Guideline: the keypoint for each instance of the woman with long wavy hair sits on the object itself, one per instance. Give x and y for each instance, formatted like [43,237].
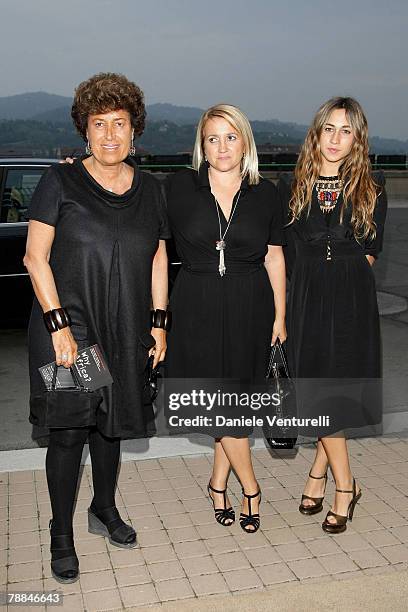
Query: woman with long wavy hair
[336,213]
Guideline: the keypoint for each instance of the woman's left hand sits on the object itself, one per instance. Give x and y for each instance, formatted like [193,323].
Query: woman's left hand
[159,350]
[279,331]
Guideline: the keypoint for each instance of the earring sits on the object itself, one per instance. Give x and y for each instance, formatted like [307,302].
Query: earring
[88,149]
[132,149]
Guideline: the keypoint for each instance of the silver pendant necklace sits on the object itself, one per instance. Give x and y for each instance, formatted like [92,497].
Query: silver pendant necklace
[220,244]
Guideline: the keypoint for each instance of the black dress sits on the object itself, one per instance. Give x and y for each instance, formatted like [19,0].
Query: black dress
[222,326]
[101,259]
[334,343]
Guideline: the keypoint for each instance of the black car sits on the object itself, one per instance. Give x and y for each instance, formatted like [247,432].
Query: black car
[18,180]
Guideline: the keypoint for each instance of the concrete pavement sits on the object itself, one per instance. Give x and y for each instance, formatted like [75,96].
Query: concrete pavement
[184,555]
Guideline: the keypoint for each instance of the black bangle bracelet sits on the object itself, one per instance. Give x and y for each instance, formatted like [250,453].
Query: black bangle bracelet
[56,319]
[161,319]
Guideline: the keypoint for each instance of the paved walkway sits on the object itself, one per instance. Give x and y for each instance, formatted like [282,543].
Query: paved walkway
[184,554]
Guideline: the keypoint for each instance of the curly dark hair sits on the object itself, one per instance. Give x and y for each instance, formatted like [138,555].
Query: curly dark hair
[105,92]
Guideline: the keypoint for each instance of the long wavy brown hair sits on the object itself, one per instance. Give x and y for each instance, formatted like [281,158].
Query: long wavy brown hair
[359,187]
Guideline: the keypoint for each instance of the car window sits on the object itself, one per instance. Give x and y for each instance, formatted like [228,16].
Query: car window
[17,193]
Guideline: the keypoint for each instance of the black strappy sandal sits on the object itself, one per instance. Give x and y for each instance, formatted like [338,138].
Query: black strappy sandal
[224,516]
[108,523]
[253,520]
[341,521]
[318,501]
[64,569]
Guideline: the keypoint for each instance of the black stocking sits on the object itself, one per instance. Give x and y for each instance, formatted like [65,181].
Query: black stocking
[62,467]
[105,453]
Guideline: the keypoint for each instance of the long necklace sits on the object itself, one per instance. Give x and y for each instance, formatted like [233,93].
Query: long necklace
[328,189]
[220,244]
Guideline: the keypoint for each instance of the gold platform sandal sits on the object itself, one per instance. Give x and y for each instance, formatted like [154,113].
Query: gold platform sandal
[318,501]
[341,521]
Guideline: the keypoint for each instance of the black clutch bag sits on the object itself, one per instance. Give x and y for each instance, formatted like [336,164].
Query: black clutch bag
[278,377]
[151,379]
[72,406]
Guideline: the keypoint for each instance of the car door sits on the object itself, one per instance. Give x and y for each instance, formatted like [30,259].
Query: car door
[17,187]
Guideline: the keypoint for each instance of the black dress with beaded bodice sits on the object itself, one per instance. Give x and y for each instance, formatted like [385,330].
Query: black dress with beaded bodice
[332,318]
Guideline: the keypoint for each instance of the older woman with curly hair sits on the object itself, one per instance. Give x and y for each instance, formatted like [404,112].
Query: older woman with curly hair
[97,259]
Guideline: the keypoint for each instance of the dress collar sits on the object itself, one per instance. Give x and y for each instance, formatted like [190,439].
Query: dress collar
[204,182]
[110,198]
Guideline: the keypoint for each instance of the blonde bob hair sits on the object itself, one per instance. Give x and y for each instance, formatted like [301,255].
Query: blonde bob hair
[359,189]
[240,123]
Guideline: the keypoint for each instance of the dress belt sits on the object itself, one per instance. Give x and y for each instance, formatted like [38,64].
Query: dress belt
[328,249]
[212,267]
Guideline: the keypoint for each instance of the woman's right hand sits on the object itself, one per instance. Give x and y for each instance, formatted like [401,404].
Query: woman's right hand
[66,349]
[67,160]
[279,330]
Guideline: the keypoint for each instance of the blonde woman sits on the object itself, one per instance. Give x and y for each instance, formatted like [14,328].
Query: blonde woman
[228,301]
[337,210]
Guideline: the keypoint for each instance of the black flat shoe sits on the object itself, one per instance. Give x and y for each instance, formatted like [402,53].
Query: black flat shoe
[250,519]
[318,501]
[64,561]
[108,523]
[224,516]
[341,521]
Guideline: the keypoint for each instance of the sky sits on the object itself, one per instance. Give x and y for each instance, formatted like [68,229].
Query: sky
[273,59]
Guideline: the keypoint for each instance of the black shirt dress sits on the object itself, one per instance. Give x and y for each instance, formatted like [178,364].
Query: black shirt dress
[222,326]
[334,343]
[101,259]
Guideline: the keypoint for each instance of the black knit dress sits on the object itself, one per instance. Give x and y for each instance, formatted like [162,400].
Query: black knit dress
[222,326]
[101,259]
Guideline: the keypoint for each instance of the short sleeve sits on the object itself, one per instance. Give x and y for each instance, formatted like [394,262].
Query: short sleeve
[374,246]
[46,200]
[276,232]
[164,232]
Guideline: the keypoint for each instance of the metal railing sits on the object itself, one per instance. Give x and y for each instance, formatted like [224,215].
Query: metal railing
[273,166]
